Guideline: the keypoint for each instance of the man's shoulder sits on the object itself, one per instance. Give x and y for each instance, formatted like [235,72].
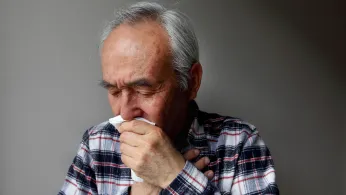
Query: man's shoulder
[101,130]
[216,125]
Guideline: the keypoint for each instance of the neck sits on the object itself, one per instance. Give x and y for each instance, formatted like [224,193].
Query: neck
[180,138]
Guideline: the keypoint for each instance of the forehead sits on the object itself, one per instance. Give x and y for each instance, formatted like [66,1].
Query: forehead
[142,48]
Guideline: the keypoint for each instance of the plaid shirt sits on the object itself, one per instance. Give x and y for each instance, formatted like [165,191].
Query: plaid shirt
[238,156]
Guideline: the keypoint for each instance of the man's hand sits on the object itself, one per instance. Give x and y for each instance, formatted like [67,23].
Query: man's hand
[201,163]
[145,188]
[149,153]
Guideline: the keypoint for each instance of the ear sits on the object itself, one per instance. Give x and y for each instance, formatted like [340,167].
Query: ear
[196,72]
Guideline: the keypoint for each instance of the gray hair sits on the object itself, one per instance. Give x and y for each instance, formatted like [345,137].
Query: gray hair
[183,41]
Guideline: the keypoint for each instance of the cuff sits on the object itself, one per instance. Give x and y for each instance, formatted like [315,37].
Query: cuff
[189,181]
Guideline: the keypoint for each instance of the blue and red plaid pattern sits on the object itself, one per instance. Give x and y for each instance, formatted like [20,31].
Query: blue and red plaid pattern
[239,158]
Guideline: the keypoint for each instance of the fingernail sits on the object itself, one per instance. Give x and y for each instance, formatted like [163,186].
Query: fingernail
[196,152]
[210,174]
[206,160]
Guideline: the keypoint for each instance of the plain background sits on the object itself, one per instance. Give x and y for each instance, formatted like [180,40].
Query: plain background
[280,66]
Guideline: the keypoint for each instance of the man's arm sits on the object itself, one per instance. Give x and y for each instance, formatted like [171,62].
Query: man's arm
[145,188]
[80,178]
[253,173]
[190,181]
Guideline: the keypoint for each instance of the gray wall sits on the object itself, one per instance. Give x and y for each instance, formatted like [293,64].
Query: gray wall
[279,66]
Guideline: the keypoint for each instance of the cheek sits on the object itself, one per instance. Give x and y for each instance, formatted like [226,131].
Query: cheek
[113,104]
[155,108]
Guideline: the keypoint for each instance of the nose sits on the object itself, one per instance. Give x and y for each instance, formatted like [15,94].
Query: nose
[129,106]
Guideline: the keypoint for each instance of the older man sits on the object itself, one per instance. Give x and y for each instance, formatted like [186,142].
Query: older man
[151,70]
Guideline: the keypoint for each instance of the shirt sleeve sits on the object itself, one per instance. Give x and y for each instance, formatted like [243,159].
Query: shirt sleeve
[190,181]
[80,178]
[254,172]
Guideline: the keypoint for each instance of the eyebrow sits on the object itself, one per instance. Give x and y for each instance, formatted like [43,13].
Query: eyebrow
[142,82]
[106,84]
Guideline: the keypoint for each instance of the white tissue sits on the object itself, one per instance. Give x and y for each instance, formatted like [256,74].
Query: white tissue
[116,122]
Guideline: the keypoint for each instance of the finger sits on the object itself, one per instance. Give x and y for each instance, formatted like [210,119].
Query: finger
[191,154]
[136,126]
[128,150]
[203,162]
[131,139]
[209,174]
[128,161]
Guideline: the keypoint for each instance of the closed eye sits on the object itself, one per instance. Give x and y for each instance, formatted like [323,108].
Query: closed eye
[145,92]
[114,92]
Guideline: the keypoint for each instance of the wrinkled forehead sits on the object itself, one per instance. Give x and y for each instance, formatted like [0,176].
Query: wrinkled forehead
[142,46]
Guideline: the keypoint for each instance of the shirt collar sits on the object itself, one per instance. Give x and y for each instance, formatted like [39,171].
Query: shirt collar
[185,140]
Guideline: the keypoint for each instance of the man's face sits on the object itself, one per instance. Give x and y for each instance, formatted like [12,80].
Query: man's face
[138,73]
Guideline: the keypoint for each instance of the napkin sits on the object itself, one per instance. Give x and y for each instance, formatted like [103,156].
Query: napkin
[116,122]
